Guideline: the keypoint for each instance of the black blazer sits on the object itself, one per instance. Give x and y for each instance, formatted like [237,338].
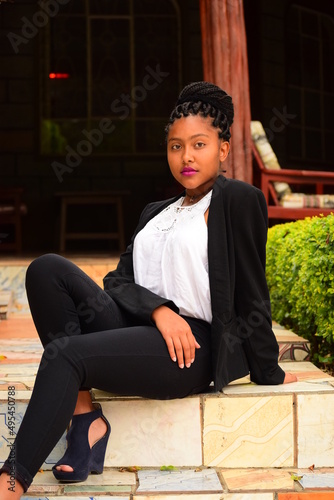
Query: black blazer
[242,338]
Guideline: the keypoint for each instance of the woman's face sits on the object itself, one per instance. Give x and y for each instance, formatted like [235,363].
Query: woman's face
[195,152]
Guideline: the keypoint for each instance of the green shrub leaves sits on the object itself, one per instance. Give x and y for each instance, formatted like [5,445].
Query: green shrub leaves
[300,275]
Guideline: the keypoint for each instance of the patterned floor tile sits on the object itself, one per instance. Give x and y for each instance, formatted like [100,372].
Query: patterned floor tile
[12,278]
[95,490]
[109,477]
[257,479]
[103,497]
[315,480]
[183,480]
[306,496]
[248,431]
[183,496]
[7,434]
[4,387]
[22,370]
[151,433]
[315,430]
[316,385]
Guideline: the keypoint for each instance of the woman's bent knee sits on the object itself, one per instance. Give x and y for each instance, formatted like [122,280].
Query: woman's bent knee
[45,266]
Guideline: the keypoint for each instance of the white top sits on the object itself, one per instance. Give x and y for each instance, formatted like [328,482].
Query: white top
[170,257]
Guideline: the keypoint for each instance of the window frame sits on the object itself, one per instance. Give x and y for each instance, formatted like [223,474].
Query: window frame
[89,118]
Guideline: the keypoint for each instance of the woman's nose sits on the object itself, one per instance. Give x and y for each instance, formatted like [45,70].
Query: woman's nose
[187,155]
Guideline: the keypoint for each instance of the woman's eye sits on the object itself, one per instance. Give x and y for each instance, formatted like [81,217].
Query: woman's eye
[176,147]
[200,144]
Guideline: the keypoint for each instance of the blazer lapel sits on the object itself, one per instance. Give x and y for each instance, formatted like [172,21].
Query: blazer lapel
[219,269]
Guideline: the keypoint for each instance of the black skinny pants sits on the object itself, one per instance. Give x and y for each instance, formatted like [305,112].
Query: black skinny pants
[89,343]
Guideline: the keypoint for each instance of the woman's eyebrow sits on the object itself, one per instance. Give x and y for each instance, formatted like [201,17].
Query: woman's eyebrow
[192,137]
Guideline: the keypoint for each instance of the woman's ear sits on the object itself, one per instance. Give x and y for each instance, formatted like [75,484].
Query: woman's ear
[224,150]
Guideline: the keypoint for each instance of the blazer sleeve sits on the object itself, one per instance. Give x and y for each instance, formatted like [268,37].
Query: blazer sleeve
[134,299]
[252,302]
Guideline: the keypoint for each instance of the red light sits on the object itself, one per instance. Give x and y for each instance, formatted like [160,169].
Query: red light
[58,75]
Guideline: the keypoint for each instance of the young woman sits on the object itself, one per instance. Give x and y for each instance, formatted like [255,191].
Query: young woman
[187,305]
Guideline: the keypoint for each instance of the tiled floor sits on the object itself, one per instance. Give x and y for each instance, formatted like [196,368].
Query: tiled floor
[246,437]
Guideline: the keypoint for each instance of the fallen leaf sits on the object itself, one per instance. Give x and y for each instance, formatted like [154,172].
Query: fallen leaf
[311,467]
[168,467]
[133,468]
[294,477]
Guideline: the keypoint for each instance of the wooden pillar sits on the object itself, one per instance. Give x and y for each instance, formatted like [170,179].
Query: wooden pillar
[224,52]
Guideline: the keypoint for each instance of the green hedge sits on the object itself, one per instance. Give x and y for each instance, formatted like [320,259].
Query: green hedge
[300,275]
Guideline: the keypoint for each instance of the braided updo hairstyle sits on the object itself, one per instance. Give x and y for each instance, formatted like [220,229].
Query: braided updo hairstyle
[205,99]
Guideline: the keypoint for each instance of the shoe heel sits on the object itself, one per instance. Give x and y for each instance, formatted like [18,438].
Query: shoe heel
[98,453]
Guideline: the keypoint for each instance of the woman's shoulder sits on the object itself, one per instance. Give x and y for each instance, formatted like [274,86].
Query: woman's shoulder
[235,186]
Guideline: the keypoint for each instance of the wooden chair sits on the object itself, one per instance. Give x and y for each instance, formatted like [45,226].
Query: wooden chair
[88,198]
[11,211]
[276,183]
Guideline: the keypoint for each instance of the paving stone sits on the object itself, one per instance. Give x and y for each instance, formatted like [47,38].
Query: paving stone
[257,479]
[306,496]
[185,496]
[315,480]
[61,497]
[182,480]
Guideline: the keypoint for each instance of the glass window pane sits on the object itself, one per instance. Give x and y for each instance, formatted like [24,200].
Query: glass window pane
[294,104]
[327,53]
[124,74]
[310,63]
[293,18]
[109,7]
[150,136]
[73,7]
[67,97]
[328,111]
[152,37]
[294,59]
[329,148]
[120,140]
[309,23]
[110,63]
[313,145]
[294,142]
[57,134]
[149,7]
[312,109]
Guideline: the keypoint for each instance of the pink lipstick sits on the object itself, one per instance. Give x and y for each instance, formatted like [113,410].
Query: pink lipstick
[188,171]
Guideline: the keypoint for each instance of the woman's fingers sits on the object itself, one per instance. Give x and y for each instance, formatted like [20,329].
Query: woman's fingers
[180,341]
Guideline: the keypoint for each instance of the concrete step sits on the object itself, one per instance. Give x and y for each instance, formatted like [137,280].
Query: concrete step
[240,444]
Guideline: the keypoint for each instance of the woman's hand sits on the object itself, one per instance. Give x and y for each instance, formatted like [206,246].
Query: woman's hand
[177,334]
[290,377]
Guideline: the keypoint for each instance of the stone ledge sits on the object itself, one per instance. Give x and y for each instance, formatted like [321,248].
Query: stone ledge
[184,483]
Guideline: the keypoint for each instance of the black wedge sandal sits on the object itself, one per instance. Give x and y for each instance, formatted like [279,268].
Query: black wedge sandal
[83,459]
